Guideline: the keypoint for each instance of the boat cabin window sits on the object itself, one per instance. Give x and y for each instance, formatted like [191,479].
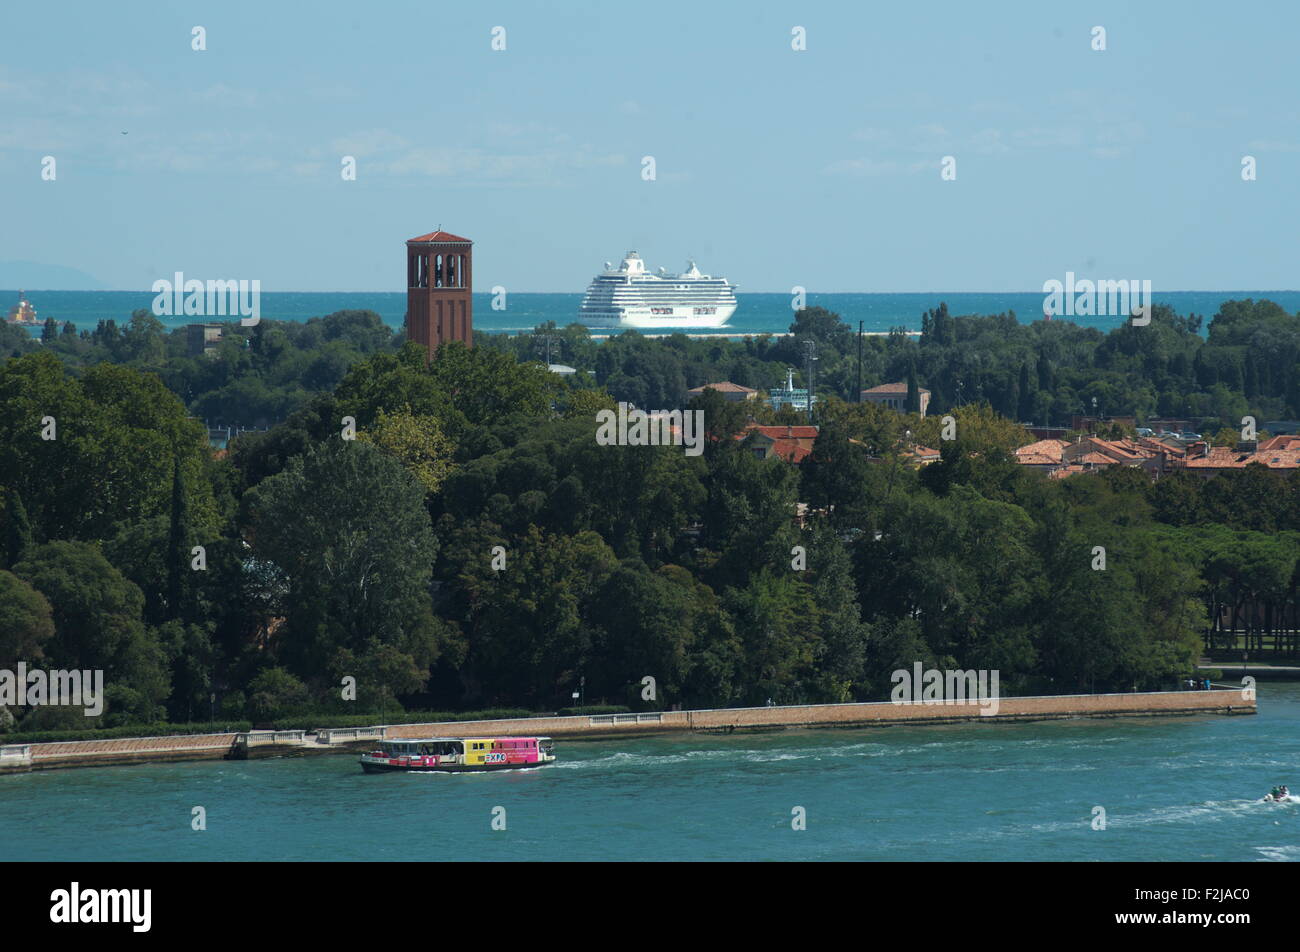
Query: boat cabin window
[438,748]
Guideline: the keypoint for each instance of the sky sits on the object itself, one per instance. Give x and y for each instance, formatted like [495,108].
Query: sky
[775,167]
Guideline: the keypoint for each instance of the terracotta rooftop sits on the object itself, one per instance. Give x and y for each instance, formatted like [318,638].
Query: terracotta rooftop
[1226,457]
[438,236]
[725,386]
[893,388]
[780,432]
[1288,443]
[1042,451]
[1121,449]
[790,450]
[1095,458]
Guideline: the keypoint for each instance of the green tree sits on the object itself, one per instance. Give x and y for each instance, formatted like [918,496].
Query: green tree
[178,545]
[18,529]
[346,523]
[26,624]
[98,626]
[913,402]
[528,639]
[274,693]
[417,442]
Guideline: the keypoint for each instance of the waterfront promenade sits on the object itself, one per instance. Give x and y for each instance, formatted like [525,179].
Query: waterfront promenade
[269,743]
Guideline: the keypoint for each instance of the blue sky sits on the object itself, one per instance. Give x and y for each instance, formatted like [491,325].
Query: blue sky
[776,168]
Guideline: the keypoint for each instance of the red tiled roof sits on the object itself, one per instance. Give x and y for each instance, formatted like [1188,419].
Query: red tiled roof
[438,236]
[1287,443]
[1116,449]
[790,450]
[1042,448]
[893,388]
[780,432]
[1155,446]
[1101,452]
[1225,457]
[725,386]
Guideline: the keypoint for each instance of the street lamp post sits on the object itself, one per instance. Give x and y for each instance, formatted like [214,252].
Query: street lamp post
[860,323]
[810,355]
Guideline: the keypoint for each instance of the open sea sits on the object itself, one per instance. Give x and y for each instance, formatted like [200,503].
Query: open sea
[757,313]
[1172,789]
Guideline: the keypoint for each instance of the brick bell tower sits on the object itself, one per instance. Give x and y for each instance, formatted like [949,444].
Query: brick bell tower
[438,285]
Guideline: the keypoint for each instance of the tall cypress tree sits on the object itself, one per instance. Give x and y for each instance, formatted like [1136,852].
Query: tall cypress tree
[18,529]
[945,328]
[178,548]
[1026,408]
[1011,396]
[913,390]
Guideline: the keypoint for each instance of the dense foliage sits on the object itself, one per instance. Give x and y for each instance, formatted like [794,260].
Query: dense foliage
[475,546]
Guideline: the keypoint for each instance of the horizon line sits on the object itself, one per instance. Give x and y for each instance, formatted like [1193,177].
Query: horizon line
[808,293]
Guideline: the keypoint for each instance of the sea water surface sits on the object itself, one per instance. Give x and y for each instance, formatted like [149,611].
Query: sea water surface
[1171,788]
[757,313]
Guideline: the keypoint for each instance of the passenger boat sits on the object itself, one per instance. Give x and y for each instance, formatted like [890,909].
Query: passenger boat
[459,754]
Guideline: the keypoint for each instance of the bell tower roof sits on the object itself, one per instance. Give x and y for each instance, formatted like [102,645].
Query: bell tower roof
[438,235]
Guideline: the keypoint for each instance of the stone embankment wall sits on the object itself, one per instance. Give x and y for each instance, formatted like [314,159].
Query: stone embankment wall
[90,753]
[1228,701]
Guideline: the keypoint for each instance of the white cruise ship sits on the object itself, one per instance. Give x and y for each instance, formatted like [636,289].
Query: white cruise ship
[630,296]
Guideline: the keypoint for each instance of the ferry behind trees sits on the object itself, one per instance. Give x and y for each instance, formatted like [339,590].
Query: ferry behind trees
[459,754]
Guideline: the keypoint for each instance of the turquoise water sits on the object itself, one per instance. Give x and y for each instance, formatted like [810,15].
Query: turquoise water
[1172,788]
[757,313]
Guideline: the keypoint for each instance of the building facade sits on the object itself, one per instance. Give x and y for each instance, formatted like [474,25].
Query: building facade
[202,340]
[894,396]
[731,392]
[439,284]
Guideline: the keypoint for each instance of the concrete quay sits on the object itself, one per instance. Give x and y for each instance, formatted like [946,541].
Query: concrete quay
[258,744]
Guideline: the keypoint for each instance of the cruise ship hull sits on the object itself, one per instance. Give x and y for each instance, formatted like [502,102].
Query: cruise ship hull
[643,318]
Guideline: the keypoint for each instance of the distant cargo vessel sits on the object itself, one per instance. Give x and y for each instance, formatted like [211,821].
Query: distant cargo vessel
[23,313]
[630,296]
[458,754]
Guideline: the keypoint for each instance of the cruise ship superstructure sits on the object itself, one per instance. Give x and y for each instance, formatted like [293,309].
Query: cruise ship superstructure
[630,296]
